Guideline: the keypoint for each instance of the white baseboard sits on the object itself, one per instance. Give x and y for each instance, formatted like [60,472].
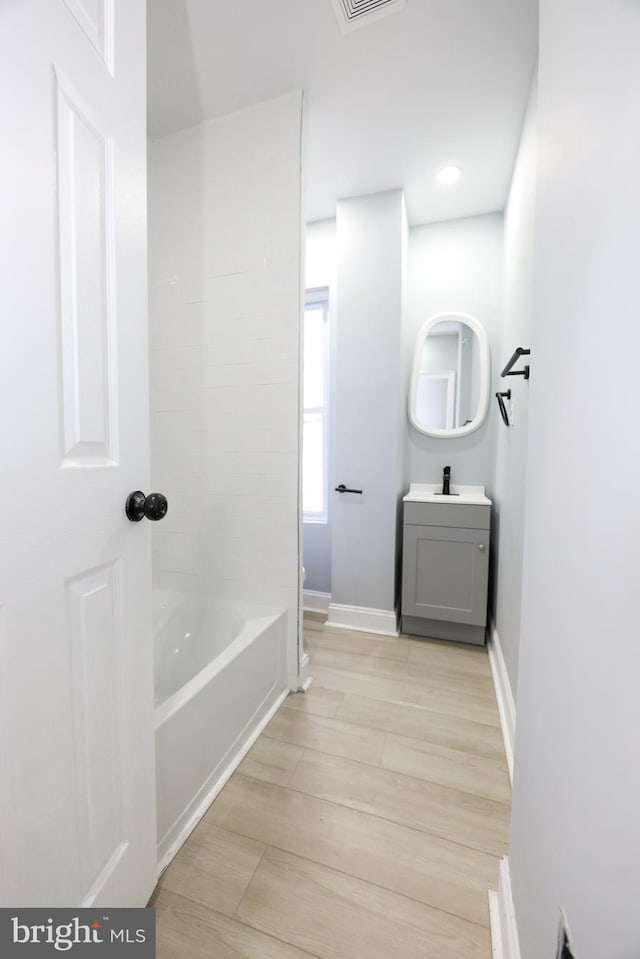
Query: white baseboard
[504,929]
[504,696]
[315,602]
[363,618]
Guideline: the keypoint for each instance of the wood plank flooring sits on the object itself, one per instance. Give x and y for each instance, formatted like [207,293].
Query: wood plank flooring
[367,821]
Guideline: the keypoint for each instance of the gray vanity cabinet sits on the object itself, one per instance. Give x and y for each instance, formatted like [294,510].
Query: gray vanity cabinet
[445,570]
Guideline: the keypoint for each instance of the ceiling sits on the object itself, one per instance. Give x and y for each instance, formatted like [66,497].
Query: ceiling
[386,105]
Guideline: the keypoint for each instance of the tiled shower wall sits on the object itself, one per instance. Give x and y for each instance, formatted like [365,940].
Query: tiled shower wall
[224,241]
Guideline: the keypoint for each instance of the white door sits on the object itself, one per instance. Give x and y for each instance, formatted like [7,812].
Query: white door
[77,815]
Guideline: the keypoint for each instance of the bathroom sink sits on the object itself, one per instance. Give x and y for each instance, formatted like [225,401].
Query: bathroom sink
[432,493]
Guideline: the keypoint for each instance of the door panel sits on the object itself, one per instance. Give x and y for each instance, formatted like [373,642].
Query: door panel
[95,18]
[77,792]
[95,617]
[86,280]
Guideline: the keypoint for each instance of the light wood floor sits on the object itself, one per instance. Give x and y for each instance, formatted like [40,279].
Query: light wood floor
[367,822]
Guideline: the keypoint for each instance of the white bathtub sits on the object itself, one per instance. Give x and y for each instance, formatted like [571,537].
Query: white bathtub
[220,674]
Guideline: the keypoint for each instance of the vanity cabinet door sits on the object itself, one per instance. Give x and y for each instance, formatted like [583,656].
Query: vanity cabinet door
[445,572]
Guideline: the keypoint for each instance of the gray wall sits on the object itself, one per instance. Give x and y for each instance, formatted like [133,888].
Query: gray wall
[454,267]
[316,556]
[511,447]
[575,838]
[368,400]
[320,270]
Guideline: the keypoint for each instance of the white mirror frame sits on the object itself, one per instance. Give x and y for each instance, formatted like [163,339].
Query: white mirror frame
[483,403]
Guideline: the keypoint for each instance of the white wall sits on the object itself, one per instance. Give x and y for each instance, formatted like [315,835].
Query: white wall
[575,839]
[368,400]
[320,271]
[225,234]
[454,267]
[511,449]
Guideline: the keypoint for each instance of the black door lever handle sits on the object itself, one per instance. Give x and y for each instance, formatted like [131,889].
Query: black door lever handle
[343,489]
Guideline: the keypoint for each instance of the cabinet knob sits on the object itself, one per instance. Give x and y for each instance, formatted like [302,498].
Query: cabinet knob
[481,547]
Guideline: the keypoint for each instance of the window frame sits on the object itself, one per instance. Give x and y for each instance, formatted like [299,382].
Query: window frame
[314,298]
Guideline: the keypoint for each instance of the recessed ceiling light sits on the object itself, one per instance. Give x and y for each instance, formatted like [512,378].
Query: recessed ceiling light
[448,175]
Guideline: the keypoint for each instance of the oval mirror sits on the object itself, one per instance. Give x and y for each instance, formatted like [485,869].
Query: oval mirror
[449,389]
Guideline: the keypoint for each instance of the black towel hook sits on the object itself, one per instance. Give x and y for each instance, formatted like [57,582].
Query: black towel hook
[520,351]
[503,409]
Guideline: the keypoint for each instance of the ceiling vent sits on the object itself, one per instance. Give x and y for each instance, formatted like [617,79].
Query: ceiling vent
[359,13]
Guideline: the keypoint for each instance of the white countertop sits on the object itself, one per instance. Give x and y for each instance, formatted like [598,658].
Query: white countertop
[432,493]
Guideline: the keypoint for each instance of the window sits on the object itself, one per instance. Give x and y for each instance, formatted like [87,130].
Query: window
[315,443]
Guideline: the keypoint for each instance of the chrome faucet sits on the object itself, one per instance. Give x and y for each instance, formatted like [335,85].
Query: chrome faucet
[446,479]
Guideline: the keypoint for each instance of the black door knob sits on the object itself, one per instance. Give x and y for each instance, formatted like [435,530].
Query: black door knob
[154,506]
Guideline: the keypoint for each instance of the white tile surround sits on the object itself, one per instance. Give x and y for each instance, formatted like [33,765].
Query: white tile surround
[225,240]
